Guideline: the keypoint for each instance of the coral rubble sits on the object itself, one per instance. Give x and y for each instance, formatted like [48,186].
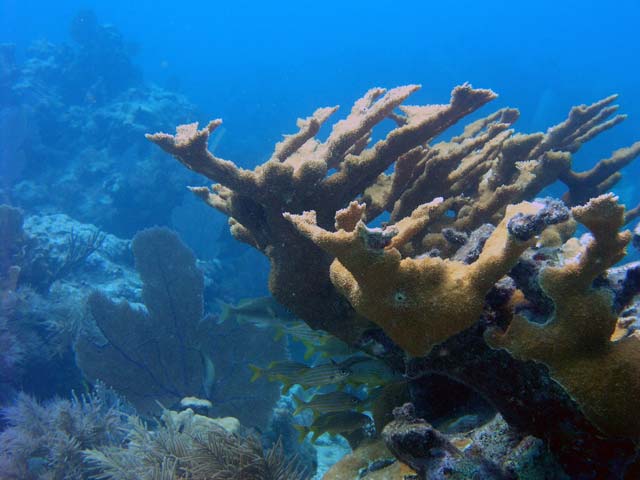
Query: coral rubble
[468,252]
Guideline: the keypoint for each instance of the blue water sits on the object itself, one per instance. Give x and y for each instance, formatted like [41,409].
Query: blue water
[260,65]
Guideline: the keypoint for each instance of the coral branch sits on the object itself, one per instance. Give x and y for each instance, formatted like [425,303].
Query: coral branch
[603,376]
[603,176]
[419,302]
[189,146]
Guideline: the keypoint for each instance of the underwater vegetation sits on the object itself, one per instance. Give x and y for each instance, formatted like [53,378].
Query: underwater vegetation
[79,305]
[47,440]
[99,437]
[472,276]
[61,335]
[184,447]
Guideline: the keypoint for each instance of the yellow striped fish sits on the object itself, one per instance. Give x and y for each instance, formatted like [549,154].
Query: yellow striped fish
[328,402]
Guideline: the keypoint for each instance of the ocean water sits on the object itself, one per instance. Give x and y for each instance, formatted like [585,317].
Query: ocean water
[121,293]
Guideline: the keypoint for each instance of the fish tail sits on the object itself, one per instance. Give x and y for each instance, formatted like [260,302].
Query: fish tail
[310,349]
[225,311]
[302,432]
[279,333]
[301,404]
[257,372]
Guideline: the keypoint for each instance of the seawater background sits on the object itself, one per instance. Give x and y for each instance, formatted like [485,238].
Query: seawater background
[260,65]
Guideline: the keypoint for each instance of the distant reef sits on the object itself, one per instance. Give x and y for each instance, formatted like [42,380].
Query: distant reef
[72,120]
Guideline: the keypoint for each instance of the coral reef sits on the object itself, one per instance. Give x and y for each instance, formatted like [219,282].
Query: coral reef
[281,429]
[403,304]
[40,301]
[11,232]
[81,109]
[63,253]
[408,286]
[98,436]
[159,355]
[428,452]
[367,462]
[296,179]
[13,134]
[490,451]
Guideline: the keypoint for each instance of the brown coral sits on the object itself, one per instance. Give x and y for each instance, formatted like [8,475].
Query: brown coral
[296,179]
[478,173]
[602,375]
[419,302]
[412,277]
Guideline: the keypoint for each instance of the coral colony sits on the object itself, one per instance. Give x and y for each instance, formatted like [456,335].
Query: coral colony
[472,276]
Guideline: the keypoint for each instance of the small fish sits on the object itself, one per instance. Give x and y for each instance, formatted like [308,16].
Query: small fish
[371,373]
[383,399]
[328,402]
[325,374]
[261,312]
[335,423]
[331,347]
[208,374]
[279,371]
[461,424]
[301,332]
[354,360]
